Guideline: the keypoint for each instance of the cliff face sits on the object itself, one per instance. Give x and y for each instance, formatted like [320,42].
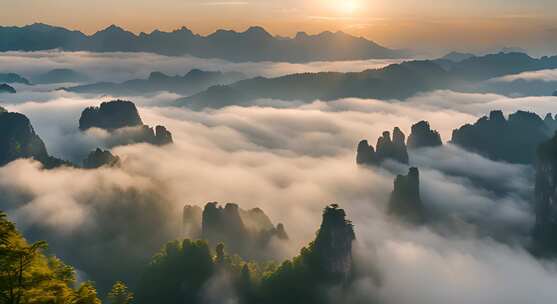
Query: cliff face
[405,201]
[333,244]
[545,230]
[110,116]
[19,140]
[513,140]
[224,225]
[162,136]
[122,118]
[244,232]
[386,148]
[100,158]
[423,136]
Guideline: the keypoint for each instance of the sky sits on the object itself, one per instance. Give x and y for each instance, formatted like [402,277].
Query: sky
[472,25]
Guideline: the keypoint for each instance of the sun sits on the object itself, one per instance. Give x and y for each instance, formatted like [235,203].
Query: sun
[348,7]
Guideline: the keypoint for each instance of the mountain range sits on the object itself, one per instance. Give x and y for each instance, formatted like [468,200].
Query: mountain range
[396,81]
[254,44]
[192,82]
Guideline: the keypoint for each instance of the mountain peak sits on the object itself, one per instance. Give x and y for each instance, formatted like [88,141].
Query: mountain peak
[257,30]
[114,29]
[301,35]
[37,26]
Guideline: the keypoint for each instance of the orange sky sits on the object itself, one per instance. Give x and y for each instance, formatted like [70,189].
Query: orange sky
[418,24]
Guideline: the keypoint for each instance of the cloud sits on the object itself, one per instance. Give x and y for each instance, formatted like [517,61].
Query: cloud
[291,162]
[124,66]
[542,75]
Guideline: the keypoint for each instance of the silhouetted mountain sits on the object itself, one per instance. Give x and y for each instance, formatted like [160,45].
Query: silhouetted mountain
[121,119]
[496,65]
[324,264]
[255,44]
[19,140]
[182,271]
[334,243]
[13,78]
[405,202]
[191,83]
[386,148]
[423,136]
[515,88]
[381,83]
[514,140]
[457,56]
[4,88]
[110,116]
[397,81]
[244,232]
[162,136]
[100,158]
[545,229]
[60,76]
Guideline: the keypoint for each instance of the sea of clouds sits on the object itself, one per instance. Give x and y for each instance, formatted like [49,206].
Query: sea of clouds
[291,161]
[122,66]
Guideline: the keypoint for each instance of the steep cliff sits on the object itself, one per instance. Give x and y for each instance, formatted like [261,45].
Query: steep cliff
[405,202]
[244,232]
[545,230]
[513,140]
[121,119]
[110,116]
[19,140]
[333,244]
[423,136]
[386,148]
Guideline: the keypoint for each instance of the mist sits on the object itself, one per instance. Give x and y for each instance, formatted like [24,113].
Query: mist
[291,161]
[121,66]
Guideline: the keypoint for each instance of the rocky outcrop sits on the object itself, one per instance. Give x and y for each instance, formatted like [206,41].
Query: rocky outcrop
[386,148]
[4,88]
[405,202]
[513,140]
[546,199]
[162,136]
[19,140]
[244,232]
[122,120]
[110,116]
[423,136]
[224,225]
[333,244]
[100,158]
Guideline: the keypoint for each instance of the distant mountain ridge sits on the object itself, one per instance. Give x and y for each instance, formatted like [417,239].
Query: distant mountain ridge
[254,44]
[396,81]
[192,82]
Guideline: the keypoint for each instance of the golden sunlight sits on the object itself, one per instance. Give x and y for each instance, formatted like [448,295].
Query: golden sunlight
[347,7]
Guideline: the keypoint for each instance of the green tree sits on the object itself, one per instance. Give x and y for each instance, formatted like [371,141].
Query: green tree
[28,276]
[86,294]
[120,294]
